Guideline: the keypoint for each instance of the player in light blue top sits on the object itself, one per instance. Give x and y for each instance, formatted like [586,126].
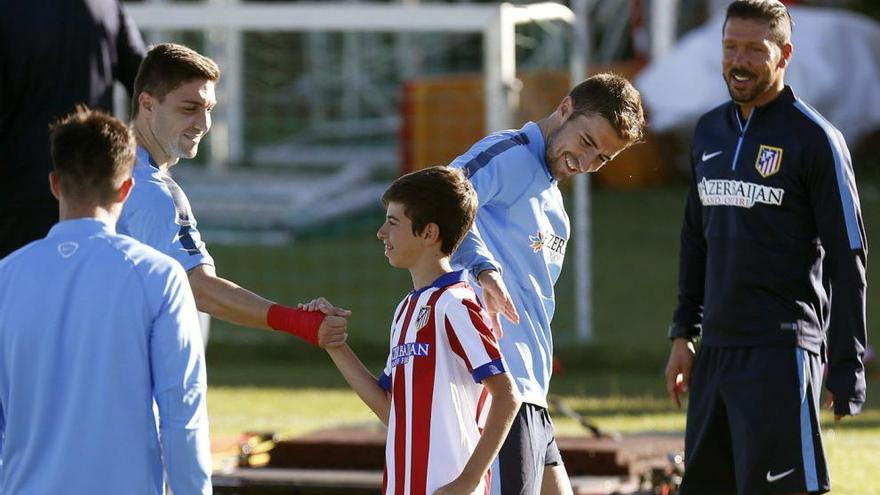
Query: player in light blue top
[517,247]
[171,110]
[95,326]
[158,214]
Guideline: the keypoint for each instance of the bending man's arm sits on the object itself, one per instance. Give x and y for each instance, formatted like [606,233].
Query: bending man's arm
[473,253]
[487,182]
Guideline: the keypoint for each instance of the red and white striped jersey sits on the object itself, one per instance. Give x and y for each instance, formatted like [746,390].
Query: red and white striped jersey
[442,347]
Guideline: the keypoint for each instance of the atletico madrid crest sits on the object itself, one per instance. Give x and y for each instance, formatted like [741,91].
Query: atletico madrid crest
[769,160]
[422,318]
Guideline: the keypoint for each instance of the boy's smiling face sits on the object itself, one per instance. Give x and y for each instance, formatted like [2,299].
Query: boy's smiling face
[402,247]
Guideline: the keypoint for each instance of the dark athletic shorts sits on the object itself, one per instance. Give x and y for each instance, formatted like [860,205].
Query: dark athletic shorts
[752,423]
[529,448]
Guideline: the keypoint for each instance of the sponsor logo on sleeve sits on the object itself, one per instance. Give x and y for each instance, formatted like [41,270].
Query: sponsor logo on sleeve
[769,160]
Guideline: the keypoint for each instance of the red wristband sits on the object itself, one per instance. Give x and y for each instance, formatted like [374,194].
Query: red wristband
[304,324]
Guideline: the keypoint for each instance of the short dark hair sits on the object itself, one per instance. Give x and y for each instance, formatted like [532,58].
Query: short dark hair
[166,67]
[773,12]
[614,98]
[92,153]
[439,195]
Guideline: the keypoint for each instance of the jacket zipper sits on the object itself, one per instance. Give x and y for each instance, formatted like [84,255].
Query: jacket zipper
[742,134]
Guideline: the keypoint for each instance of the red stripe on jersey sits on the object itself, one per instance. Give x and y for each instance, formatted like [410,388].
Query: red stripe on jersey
[423,399]
[399,404]
[399,313]
[456,347]
[490,343]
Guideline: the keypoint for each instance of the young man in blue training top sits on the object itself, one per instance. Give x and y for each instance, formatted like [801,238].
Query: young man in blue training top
[771,276]
[94,327]
[444,394]
[517,245]
[171,110]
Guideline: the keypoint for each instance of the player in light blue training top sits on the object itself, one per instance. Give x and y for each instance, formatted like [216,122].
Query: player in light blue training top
[158,213]
[517,246]
[95,326]
[171,110]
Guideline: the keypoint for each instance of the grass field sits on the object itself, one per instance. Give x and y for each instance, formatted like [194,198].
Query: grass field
[264,381]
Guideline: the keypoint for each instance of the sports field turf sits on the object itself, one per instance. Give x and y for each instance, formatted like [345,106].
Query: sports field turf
[260,380]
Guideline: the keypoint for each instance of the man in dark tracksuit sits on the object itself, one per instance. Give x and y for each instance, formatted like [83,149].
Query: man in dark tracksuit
[772,274]
[54,54]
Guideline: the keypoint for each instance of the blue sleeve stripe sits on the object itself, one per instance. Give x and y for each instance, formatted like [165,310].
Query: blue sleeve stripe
[491,368]
[186,240]
[385,382]
[846,197]
[485,156]
[183,216]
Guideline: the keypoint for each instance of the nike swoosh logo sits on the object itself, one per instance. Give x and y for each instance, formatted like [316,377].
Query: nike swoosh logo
[709,156]
[776,477]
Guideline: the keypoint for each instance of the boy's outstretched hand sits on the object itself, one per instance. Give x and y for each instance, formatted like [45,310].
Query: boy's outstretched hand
[333,331]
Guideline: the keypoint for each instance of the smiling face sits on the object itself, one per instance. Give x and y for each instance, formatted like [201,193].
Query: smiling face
[182,118]
[753,65]
[403,248]
[581,144]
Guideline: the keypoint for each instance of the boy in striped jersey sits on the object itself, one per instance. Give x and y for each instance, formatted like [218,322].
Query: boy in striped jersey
[445,394]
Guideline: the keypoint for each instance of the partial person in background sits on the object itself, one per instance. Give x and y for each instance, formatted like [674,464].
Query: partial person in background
[517,245]
[771,276]
[94,327]
[54,54]
[171,112]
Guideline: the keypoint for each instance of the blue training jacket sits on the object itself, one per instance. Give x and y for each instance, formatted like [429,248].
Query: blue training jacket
[94,327]
[772,229]
[521,230]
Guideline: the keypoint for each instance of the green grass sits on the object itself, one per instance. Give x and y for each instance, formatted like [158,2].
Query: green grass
[266,381]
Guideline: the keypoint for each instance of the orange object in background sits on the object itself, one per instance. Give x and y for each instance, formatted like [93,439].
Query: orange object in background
[443,116]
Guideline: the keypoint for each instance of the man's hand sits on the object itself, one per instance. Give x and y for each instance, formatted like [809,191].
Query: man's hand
[678,369]
[333,331]
[458,487]
[829,403]
[323,305]
[497,299]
